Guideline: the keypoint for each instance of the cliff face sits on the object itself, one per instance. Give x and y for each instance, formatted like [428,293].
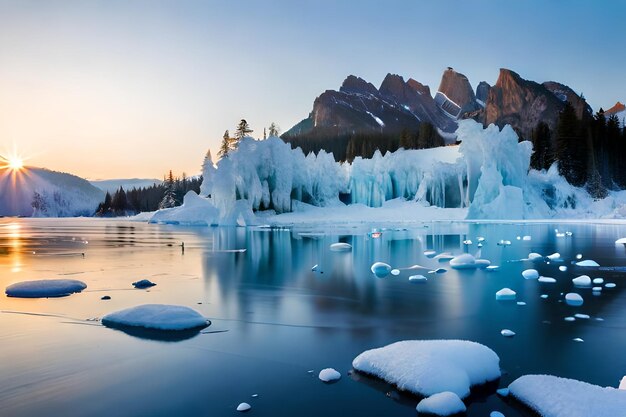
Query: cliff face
[564,93]
[521,103]
[482,91]
[457,88]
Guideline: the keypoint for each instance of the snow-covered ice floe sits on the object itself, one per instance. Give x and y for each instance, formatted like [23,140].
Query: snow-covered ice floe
[45,288]
[551,396]
[467,261]
[427,367]
[329,375]
[157,317]
[441,404]
[530,274]
[506,294]
[588,263]
[573,299]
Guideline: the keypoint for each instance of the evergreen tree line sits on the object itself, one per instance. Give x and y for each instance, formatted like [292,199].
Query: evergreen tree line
[241,131]
[589,152]
[346,147]
[168,194]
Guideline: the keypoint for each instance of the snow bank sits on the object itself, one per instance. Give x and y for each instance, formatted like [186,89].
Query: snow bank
[156,316]
[442,404]
[551,396]
[45,288]
[427,367]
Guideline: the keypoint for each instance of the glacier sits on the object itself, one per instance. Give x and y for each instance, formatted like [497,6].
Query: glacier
[487,176]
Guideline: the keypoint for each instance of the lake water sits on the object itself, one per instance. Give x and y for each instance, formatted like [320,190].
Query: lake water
[274,319]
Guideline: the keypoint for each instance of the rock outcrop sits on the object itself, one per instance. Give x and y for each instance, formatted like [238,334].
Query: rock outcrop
[456,88]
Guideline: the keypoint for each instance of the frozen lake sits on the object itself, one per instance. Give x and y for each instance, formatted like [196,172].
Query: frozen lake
[274,319]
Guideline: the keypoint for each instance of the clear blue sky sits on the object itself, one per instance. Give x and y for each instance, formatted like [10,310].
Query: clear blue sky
[133,88]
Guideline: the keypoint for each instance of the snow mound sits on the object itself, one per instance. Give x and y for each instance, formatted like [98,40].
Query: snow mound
[158,317]
[45,288]
[506,294]
[598,281]
[530,274]
[380,269]
[195,211]
[427,367]
[340,247]
[551,396]
[329,375]
[442,404]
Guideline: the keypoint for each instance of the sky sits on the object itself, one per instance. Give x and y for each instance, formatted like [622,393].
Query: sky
[131,89]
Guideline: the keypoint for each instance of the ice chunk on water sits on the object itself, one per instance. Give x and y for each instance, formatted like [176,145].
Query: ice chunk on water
[598,281]
[507,333]
[503,392]
[621,241]
[582,281]
[579,256]
[588,262]
[492,268]
[427,367]
[45,288]
[610,285]
[329,375]
[157,316]
[340,247]
[467,261]
[418,279]
[534,256]
[445,256]
[551,396]
[429,253]
[544,296]
[380,269]
[442,404]
[530,274]
[244,407]
[569,318]
[562,268]
[578,339]
[395,272]
[496,414]
[504,243]
[467,242]
[527,238]
[596,289]
[554,256]
[506,294]
[582,316]
[573,299]
[521,303]
[549,280]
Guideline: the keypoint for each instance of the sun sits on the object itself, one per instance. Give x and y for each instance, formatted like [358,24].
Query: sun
[15,163]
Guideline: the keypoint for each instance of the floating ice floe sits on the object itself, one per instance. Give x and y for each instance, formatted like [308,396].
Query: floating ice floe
[443,257]
[504,243]
[380,269]
[480,239]
[244,407]
[573,299]
[610,285]
[45,288]
[562,268]
[596,289]
[503,392]
[395,272]
[340,247]
[598,281]
[588,263]
[554,256]
[144,283]
[544,296]
[527,238]
[157,317]
[582,281]
[438,271]
[530,274]
[506,294]
[534,256]
[467,261]
[467,242]
[548,280]
[496,414]
[329,375]
[521,303]
[492,268]
[429,253]
[480,245]
[441,404]
[579,256]
[427,367]
[417,279]
[621,241]
[582,316]
[551,396]
[570,318]
[578,340]
[507,333]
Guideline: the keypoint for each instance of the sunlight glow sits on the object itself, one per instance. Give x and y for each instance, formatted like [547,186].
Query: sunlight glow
[16,163]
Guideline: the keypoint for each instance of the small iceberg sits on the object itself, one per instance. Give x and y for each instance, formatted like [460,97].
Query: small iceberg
[530,274]
[598,281]
[244,407]
[507,333]
[588,263]
[427,367]
[445,256]
[503,392]
[610,285]
[429,253]
[492,268]
[467,242]
[144,283]
[554,256]
[504,243]
[44,288]
[547,280]
[155,321]
[534,256]
[527,238]
[467,261]
[395,272]
[418,279]
[340,247]
[573,299]
[329,375]
[582,316]
[506,294]
[552,396]
[562,268]
[582,281]
[442,404]
[380,269]
[578,340]
[621,241]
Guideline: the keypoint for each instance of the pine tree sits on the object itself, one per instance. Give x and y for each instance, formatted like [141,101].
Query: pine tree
[406,139]
[226,145]
[242,130]
[169,198]
[571,147]
[542,156]
[274,130]
[264,134]
[119,203]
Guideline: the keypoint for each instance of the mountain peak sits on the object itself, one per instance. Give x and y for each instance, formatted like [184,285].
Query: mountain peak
[354,84]
[618,107]
[457,89]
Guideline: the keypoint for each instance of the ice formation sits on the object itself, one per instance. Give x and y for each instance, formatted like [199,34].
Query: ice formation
[548,280]
[417,278]
[506,294]
[157,316]
[329,375]
[467,261]
[530,274]
[551,396]
[582,281]
[244,407]
[588,263]
[427,367]
[507,333]
[45,288]
[573,299]
[340,247]
[487,175]
[441,404]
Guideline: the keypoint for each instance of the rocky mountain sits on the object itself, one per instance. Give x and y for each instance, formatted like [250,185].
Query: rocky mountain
[455,94]
[522,103]
[482,92]
[618,110]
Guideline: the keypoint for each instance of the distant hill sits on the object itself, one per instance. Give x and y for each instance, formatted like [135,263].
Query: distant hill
[113,185]
[55,194]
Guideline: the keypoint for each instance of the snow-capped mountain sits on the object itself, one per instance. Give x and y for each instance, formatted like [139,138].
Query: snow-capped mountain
[40,192]
[128,183]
